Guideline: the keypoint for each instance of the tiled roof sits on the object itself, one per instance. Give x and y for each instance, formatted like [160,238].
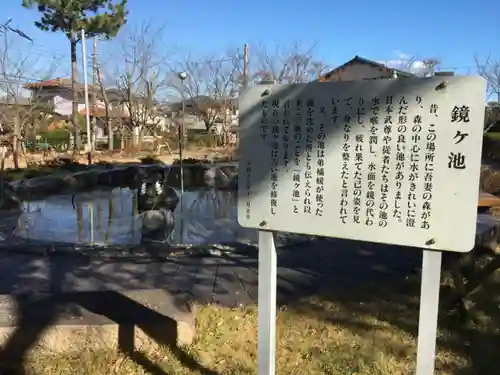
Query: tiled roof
[49,83]
[57,82]
[362,60]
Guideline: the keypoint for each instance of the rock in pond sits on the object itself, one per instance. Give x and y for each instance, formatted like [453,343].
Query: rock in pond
[156,196]
[215,177]
[42,186]
[8,199]
[157,224]
[233,184]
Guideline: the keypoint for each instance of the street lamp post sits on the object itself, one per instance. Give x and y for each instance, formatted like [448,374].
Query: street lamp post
[182,77]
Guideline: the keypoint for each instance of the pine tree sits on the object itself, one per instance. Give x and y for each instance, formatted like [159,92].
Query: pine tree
[96,17]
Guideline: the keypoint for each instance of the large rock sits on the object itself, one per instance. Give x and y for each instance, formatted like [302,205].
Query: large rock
[157,224]
[215,177]
[173,176]
[83,181]
[150,198]
[42,186]
[130,176]
[113,178]
[9,199]
[233,184]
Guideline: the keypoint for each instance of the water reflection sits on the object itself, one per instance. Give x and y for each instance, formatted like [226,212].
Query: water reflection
[113,217]
[62,219]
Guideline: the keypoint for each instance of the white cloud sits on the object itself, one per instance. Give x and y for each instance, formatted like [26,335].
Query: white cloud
[407,63]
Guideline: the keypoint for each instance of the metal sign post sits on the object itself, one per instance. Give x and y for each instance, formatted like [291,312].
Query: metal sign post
[428,315]
[267,304]
[385,161]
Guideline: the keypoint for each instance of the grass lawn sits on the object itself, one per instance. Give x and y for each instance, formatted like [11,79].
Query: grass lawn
[342,331]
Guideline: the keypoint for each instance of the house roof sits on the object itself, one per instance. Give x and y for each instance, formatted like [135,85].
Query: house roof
[57,82]
[361,60]
[203,101]
[115,94]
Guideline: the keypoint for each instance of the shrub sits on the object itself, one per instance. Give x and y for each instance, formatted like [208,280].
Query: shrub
[491,146]
[56,137]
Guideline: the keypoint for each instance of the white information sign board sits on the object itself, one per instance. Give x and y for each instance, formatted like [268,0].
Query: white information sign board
[388,161]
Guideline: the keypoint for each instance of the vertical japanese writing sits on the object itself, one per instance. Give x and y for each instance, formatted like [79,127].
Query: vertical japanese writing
[456,159]
[344,173]
[400,171]
[386,160]
[296,175]
[430,148]
[334,116]
[248,210]
[357,179]
[384,174]
[372,168]
[320,170]
[414,171]
[264,120]
[361,111]
[308,156]
[286,134]
[275,130]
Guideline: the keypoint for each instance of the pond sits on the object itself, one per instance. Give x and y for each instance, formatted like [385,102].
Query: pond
[119,217]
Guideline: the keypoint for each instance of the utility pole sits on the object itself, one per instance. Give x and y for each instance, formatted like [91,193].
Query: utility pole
[245,65]
[94,84]
[86,86]
[94,62]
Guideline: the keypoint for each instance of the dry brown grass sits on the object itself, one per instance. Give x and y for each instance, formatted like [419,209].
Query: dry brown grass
[370,333]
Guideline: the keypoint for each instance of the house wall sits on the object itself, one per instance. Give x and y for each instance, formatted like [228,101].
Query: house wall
[232,114]
[358,72]
[123,109]
[61,99]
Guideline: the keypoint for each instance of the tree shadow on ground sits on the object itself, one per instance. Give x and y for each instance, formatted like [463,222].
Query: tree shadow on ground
[392,297]
[365,282]
[36,312]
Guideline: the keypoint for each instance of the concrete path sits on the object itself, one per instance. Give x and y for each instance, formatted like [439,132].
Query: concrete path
[229,278]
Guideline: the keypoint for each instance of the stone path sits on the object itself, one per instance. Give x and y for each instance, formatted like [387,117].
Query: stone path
[229,278]
[60,298]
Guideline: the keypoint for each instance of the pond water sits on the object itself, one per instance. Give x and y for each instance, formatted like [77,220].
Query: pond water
[112,217]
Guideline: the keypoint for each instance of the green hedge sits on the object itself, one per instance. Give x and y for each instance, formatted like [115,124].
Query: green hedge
[56,138]
[195,140]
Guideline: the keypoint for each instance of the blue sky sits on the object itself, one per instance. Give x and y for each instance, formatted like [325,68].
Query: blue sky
[452,31]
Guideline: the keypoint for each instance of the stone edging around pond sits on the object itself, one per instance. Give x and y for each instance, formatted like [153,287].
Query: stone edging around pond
[196,176]
[156,250]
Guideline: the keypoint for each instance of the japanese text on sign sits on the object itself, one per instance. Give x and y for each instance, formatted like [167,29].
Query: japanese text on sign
[389,163]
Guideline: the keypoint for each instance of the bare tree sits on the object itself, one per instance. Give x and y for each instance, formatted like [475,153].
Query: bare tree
[142,78]
[212,81]
[430,66]
[490,71]
[491,116]
[107,107]
[209,85]
[412,64]
[294,63]
[20,111]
